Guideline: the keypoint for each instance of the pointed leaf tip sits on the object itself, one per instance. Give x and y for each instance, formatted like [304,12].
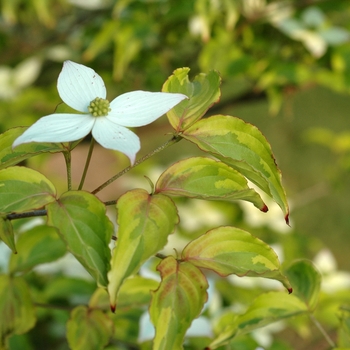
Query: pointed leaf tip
[264,209]
[290,290]
[286,218]
[113,307]
[228,250]
[243,147]
[206,178]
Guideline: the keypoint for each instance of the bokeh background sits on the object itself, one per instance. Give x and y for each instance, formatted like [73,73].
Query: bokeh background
[285,67]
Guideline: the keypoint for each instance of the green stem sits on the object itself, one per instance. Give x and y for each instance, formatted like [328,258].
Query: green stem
[173,140]
[68,159]
[87,163]
[321,329]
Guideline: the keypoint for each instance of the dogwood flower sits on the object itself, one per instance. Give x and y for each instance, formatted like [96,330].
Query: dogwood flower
[82,89]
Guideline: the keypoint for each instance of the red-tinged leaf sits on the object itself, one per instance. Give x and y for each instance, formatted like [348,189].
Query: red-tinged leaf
[203,92]
[243,147]
[229,250]
[23,189]
[177,302]
[6,234]
[145,221]
[17,314]
[89,329]
[205,178]
[82,223]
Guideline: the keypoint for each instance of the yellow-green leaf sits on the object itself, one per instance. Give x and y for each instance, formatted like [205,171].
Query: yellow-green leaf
[205,178]
[229,250]
[23,189]
[177,302]
[145,221]
[243,147]
[265,309]
[203,92]
[88,329]
[17,314]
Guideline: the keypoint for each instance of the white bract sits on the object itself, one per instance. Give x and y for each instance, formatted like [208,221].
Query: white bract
[82,89]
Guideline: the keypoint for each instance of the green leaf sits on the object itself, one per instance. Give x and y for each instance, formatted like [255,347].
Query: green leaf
[145,221]
[265,309]
[9,156]
[243,147]
[82,223]
[88,329]
[177,302]
[6,234]
[203,92]
[17,314]
[306,281]
[229,250]
[205,178]
[134,293]
[39,245]
[23,189]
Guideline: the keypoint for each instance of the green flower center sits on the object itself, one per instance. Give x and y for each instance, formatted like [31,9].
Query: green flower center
[99,107]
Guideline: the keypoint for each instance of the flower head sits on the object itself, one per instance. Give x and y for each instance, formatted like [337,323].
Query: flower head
[82,89]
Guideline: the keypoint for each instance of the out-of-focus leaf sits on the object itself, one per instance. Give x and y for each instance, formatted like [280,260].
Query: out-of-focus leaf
[127,45]
[134,293]
[82,223]
[266,309]
[70,288]
[102,40]
[306,281]
[39,245]
[88,329]
[145,221]
[205,178]
[203,92]
[17,314]
[9,156]
[229,250]
[23,189]
[6,234]
[243,147]
[177,302]
[344,330]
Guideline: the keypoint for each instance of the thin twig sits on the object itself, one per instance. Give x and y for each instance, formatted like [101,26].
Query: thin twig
[28,214]
[323,332]
[165,145]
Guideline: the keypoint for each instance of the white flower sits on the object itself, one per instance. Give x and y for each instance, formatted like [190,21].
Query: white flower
[82,89]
